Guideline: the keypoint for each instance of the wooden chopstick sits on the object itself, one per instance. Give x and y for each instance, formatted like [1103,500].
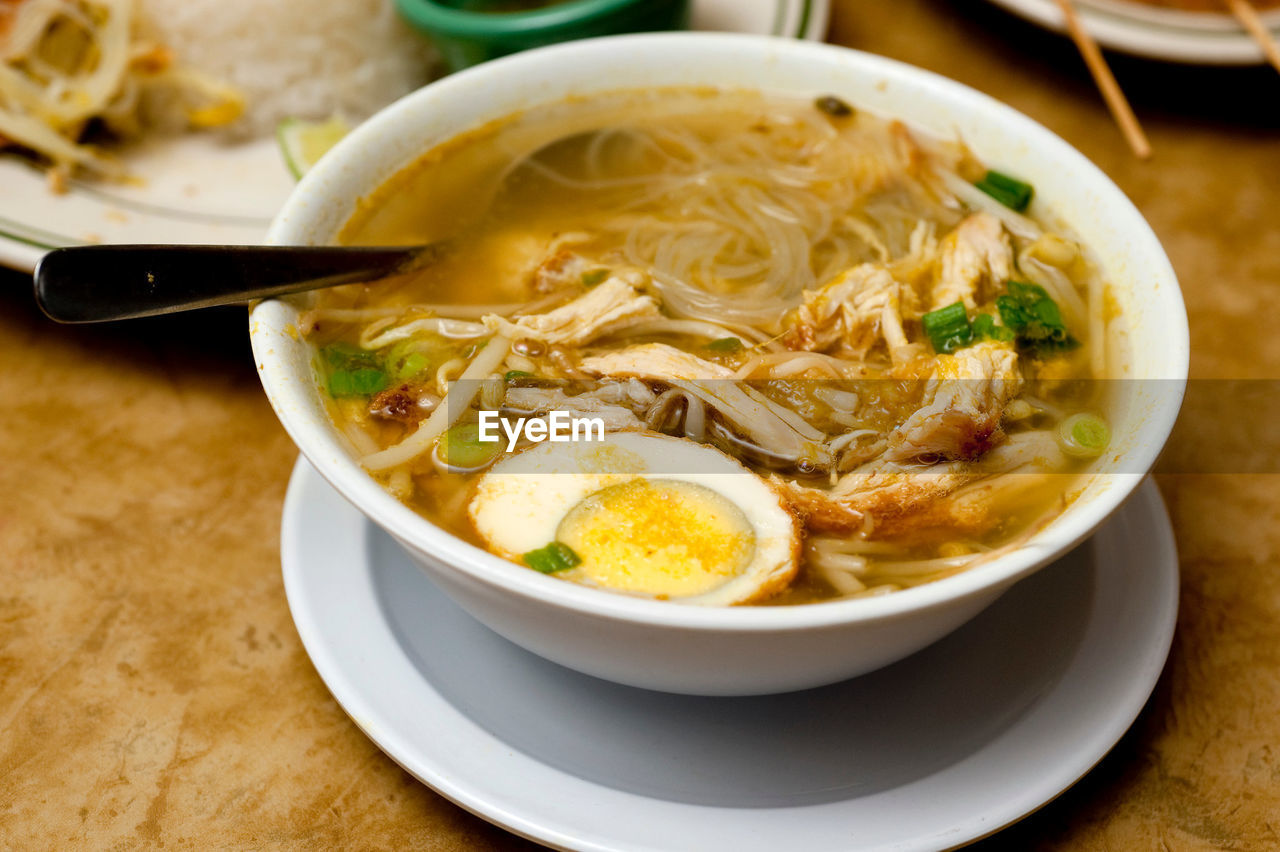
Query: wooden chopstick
[1248,17]
[1106,82]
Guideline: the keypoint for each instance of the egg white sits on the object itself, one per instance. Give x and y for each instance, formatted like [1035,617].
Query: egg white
[519,504]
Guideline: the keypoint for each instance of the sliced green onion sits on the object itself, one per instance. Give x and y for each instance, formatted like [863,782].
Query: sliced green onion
[1009,191]
[594,277]
[513,375]
[985,328]
[344,383]
[346,356]
[1035,318]
[948,328]
[1012,313]
[833,106]
[461,447]
[556,556]
[413,364]
[1046,310]
[725,344]
[1084,435]
[432,346]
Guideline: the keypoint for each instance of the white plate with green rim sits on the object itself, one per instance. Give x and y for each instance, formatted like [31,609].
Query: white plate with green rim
[942,748]
[1130,26]
[198,189]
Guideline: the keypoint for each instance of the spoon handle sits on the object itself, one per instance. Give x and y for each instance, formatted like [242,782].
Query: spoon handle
[113,282]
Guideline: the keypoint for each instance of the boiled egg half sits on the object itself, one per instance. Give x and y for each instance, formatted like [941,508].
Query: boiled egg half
[643,514]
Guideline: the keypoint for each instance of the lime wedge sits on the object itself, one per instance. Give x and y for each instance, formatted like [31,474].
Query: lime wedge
[304,142]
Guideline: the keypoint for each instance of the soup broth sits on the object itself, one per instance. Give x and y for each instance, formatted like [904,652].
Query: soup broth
[889,336]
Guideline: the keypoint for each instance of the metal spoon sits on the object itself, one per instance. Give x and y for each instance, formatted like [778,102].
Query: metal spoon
[101,283]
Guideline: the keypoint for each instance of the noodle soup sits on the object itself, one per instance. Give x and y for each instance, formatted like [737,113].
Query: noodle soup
[830,356]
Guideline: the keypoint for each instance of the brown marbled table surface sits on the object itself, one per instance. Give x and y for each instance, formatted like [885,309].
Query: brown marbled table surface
[153,691]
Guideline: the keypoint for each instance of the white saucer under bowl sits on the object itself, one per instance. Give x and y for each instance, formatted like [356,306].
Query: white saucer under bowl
[944,747]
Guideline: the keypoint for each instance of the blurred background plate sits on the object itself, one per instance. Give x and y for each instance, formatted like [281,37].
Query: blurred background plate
[1153,32]
[198,189]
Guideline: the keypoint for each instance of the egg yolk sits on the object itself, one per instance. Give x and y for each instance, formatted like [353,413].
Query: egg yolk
[660,537]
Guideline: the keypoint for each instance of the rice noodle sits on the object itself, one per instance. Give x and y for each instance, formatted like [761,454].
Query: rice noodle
[770,455]
[492,393]
[1040,405]
[838,399]
[840,442]
[356,315]
[791,418]
[373,337]
[444,373]
[918,567]
[400,483]
[723,244]
[695,419]
[843,418]
[844,582]
[1059,287]
[798,362]
[693,328]
[658,415]
[1018,225]
[1097,326]
[848,562]
[878,591]
[521,363]
[458,312]
[797,366]
[828,544]
[360,439]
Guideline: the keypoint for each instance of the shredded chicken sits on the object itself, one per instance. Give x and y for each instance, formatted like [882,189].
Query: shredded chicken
[885,499]
[612,403]
[612,305]
[656,361]
[882,499]
[1037,450]
[973,260]
[751,413]
[560,268]
[853,312]
[915,266]
[963,403]
[632,392]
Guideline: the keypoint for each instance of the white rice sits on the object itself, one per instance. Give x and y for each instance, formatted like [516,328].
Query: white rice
[294,58]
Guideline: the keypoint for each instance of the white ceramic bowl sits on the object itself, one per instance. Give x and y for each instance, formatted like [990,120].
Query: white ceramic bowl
[749,649]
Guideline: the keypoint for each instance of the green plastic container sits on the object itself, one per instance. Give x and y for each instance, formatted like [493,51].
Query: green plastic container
[466,36]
